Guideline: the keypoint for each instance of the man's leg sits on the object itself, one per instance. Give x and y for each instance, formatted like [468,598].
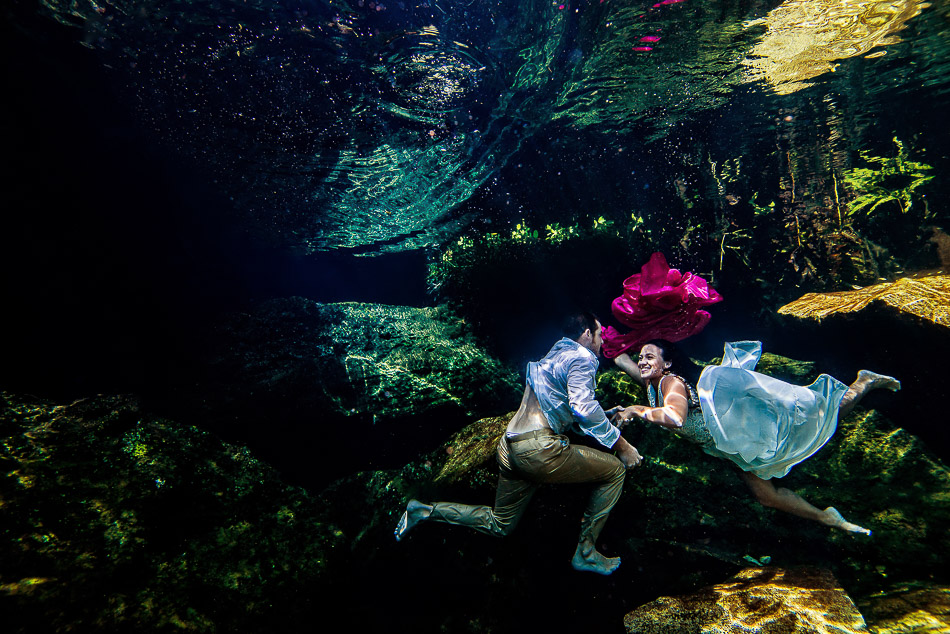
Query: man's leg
[511,500]
[559,462]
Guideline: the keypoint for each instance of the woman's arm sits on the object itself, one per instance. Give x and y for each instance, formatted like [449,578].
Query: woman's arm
[673,412]
[626,363]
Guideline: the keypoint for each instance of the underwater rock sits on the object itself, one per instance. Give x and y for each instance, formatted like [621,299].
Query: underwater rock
[784,368]
[926,297]
[471,448]
[765,600]
[295,368]
[685,520]
[887,478]
[617,388]
[919,607]
[116,520]
[357,360]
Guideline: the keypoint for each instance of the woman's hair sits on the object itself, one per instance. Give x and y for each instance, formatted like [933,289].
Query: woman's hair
[680,363]
[575,325]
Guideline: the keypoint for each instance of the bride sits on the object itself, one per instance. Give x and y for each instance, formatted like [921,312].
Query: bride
[762,424]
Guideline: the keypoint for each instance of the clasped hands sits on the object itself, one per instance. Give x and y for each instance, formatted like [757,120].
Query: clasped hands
[620,416]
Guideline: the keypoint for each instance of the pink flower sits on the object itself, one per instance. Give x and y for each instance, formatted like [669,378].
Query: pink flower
[659,302]
[643,48]
[650,38]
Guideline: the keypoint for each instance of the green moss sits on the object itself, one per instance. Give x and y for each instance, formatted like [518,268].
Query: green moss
[617,388]
[352,360]
[115,520]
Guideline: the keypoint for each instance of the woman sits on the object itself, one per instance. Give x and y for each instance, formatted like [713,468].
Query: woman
[763,425]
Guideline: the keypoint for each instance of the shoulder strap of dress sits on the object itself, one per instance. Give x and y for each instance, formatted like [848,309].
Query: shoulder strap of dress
[667,376]
[690,391]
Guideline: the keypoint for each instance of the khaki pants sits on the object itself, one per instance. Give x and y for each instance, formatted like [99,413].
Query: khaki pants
[529,460]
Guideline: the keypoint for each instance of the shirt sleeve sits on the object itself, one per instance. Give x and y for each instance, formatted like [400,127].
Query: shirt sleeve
[589,416]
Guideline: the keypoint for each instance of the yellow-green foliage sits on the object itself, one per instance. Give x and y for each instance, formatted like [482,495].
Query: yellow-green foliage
[892,180]
[522,242]
[132,522]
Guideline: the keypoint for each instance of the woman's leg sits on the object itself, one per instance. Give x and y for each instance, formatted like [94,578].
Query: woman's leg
[865,382]
[786,500]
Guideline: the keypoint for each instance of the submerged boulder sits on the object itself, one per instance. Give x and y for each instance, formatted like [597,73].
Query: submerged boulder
[761,600]
[685,519]
[921,608]
[115,520]
[352,360]
[377,383]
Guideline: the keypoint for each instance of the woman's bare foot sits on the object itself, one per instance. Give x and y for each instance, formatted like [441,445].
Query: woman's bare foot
[416,511]
[831,517]
[586,557]
[874,381]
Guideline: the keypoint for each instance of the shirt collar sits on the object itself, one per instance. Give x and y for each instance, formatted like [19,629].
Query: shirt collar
[577,346]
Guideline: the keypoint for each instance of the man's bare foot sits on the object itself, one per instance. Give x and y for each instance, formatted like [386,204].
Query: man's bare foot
[834,519]
[586,557]
[873,381]
[416,511]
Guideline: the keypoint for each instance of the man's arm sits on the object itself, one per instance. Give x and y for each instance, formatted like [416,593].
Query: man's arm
[589,416]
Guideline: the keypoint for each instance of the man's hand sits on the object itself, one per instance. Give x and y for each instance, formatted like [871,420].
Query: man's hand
[613,414]
[628,454]
[621,416]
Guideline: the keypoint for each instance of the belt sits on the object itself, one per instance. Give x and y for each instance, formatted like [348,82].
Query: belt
[528,435]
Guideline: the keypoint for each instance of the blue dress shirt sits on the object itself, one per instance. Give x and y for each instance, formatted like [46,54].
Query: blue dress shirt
[563,381]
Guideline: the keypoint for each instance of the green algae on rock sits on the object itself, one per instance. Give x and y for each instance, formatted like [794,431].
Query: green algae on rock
[921,608]
[685,520]
[115,520]
[766,600]
[887,477]
[472,447]
[352,360]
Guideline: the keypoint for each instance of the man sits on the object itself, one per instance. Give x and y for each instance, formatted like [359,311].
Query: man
[559,395]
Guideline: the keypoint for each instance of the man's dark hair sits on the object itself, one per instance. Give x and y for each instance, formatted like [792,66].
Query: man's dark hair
[575,325]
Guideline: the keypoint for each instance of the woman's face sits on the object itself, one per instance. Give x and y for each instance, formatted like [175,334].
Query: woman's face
[651,362]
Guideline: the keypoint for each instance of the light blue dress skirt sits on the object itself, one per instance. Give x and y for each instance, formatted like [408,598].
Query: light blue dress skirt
[764,425]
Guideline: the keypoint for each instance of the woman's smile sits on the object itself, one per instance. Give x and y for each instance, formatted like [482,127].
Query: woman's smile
[651,362]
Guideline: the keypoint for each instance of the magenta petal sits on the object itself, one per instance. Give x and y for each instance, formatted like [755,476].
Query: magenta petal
[659,302]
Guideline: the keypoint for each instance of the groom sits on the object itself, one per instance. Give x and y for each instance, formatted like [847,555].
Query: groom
[559,395]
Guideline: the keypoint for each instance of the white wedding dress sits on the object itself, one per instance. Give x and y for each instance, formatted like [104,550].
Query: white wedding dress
[764,425]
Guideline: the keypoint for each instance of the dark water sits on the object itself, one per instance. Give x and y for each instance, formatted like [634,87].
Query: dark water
[158,177]
[168,163]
